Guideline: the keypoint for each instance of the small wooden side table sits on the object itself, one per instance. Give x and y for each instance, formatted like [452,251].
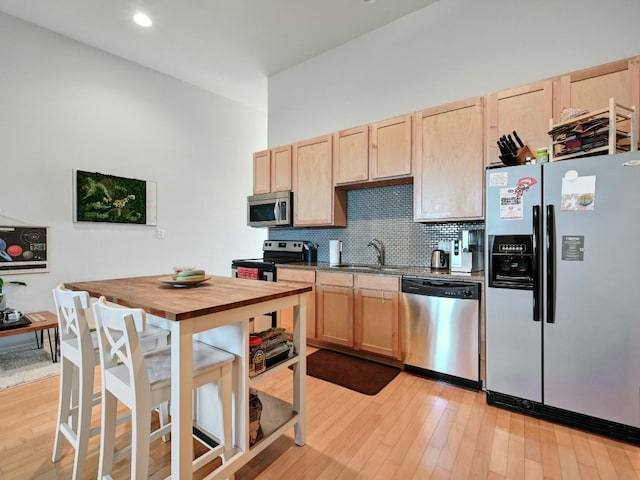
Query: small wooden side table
[40,321]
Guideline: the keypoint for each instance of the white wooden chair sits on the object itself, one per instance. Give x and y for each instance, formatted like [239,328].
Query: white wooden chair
[79,356]
[142,382]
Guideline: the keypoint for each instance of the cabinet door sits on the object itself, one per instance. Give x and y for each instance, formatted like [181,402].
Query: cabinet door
[377,314]
[592,88]
[449,164]
[390,148]
[316,203]
[334,309]
[281,169]
[262,172]
[377,323]
[351,156]
[305,277]
[526,109]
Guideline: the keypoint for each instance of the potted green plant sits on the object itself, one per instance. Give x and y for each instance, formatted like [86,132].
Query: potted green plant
[3,298]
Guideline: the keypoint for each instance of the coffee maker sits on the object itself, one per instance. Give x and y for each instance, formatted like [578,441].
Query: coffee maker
[467,253]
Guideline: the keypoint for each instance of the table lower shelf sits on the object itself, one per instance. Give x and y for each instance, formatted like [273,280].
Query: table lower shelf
[276,413]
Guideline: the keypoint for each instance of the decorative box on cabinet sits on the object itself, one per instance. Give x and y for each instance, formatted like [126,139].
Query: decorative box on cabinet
[604,131]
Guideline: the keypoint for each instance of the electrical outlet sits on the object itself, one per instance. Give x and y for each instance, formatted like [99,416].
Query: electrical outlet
[160,234]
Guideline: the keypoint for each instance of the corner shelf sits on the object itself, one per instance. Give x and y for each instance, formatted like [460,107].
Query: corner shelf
[614,126]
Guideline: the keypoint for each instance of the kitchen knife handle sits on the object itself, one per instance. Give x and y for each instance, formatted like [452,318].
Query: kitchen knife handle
[537,267]
[515,135]
[551,264]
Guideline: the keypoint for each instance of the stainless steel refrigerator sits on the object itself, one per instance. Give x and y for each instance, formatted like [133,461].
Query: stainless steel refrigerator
[562,292]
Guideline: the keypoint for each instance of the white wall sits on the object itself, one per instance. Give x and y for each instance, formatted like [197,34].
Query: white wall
[450,50]
[65,106]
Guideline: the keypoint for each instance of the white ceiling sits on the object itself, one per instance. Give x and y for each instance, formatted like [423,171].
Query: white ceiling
[228,47]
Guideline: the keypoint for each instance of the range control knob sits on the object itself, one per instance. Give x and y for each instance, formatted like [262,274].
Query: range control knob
[467,293]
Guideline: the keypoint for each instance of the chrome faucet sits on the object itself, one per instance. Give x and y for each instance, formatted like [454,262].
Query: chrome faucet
[377,244]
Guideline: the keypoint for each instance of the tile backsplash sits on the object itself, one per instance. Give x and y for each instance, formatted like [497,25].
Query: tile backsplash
[384,213]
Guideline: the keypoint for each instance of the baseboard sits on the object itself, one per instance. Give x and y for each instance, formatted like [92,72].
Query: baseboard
[587,423]
[452,379]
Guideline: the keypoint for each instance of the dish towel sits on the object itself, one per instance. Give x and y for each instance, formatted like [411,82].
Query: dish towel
[246,272]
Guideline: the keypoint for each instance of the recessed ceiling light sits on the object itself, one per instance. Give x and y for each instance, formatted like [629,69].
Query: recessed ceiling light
[368,1]
[142,19]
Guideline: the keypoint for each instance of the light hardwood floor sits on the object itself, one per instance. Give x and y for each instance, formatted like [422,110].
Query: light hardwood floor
[414,429]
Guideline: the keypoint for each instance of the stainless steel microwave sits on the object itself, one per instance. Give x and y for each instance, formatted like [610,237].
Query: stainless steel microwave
[270,210]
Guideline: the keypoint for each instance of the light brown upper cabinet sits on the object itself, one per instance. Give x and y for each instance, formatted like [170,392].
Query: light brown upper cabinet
[351,155]
[272,170]
[526,109]
[449,163]
[316,201]
[591,88]
[390,148]
[262,172]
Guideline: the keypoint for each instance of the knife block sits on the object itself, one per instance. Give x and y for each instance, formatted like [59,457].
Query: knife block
[525,152]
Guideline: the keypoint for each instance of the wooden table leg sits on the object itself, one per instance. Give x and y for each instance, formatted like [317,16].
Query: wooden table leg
[181,400]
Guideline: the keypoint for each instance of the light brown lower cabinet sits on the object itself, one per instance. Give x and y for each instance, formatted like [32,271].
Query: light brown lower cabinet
[377,315]
[359,311]
[334,308]
[298,276]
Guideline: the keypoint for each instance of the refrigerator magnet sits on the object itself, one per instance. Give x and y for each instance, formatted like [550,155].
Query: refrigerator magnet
[578,193]
[510,204]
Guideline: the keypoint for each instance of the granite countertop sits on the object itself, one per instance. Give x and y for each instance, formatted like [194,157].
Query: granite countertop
[408,271]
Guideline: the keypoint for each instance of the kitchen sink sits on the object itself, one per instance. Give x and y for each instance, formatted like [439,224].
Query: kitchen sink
[367,267]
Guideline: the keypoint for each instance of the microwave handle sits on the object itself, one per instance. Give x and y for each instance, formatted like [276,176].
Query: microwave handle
[276,211]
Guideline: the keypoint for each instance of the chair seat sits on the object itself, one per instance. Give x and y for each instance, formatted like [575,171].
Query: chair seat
[158,364]
[153,338]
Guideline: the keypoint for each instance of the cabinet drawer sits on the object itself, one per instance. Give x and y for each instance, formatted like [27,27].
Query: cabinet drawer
[337,279]
[295,275]
[378,282]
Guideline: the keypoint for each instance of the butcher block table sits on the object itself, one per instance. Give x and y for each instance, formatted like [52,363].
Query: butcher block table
[217,312]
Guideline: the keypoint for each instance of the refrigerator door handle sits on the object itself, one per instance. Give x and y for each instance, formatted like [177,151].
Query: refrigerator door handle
[551,264]
[537,266]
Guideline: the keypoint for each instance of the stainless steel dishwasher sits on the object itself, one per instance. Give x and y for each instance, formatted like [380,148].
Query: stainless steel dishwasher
[440,329]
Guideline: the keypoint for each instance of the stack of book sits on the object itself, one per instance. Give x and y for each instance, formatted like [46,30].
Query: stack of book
[276,345]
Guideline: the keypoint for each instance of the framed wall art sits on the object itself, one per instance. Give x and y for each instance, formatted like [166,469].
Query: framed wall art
[99,197]
[23,249]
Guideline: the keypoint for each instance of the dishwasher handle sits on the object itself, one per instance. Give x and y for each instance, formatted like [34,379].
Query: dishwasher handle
[441,288]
